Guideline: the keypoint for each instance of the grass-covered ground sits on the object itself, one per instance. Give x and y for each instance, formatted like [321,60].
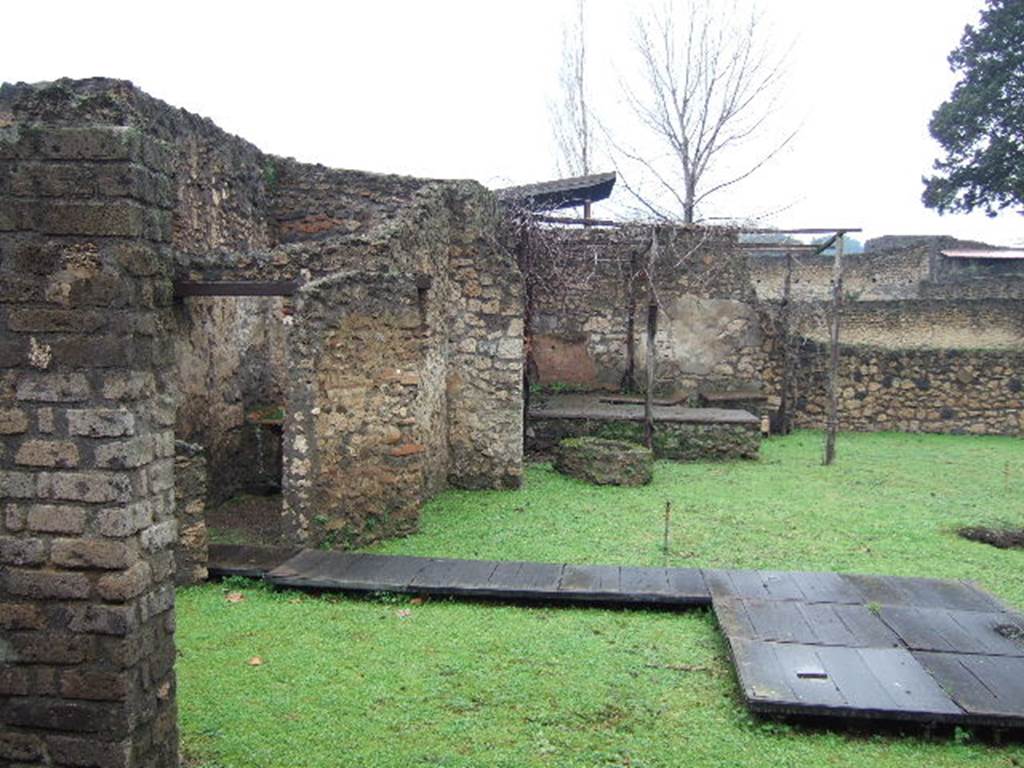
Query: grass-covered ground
[394,682]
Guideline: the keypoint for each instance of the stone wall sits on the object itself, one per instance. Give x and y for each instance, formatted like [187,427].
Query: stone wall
[87,447]
[405,375]
[230,358]
[915,390]
[921,324]
[708,331]
[191,552]
[876,275]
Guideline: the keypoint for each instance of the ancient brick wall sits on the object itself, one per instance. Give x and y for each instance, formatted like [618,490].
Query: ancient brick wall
[106,195]
[708,332]
[87,451]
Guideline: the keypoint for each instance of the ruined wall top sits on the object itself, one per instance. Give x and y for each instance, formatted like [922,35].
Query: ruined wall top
[230,199]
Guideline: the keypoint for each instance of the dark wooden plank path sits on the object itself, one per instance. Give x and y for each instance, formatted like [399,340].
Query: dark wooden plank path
[835,645]
[493,579]
[821,644]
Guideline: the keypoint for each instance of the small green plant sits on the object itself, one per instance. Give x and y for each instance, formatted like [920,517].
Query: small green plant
[875,608]
[962,735]
[270,174]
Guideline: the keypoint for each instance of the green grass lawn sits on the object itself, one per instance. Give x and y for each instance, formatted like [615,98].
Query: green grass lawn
[394,682]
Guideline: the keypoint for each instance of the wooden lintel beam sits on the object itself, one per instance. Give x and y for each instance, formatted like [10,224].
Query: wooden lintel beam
[807,231]
[780,247]
[186,288]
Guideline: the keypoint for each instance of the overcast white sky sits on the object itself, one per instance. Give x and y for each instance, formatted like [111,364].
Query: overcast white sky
[460,89]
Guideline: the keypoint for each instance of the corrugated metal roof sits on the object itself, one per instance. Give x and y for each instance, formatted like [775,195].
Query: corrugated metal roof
[979,254]
[560,193]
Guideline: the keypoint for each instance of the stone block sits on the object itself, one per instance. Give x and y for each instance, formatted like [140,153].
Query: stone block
[20,747]
[48,647]
[47,453]
[120,218]
[13,421]
[22,551]
[107,142]
[21,616]
[118,522]
[17,485]
[128,385]
[44,585]
[123,586]
[125,454]
[107,351]
[49,518]
[160,536]
[89,752]
[94,686]
[53,387]
[91,553]
[14,517]
[59,715]
[55,321]
[92,619]
[161,475]
[101,422]
[91,487]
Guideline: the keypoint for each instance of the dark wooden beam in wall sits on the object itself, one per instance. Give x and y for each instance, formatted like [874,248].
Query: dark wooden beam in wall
[186,288]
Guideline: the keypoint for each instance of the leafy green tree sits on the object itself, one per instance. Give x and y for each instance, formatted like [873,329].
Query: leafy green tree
[981,126]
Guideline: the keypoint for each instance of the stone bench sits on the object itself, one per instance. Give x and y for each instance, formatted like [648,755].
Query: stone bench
[680,434]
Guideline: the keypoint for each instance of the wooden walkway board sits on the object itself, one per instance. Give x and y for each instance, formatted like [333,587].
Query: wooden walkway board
[819,644]
[990,689]
[872,646]
[591,584]
[793,678]
[246,561]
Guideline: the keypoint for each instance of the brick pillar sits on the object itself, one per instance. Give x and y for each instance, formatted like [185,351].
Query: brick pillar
[86,450]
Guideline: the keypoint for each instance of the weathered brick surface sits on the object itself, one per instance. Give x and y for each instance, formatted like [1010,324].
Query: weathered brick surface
[49,518]
[47,453]
[13,421]
[124,585]
[22,551]
[90,487]
[101,422]
[86,611]
[53,387]
[91,553]
[44,585]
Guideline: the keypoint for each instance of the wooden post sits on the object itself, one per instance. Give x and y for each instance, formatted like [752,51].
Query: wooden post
[628,385]
[788,362]
[833,369]
[652,329]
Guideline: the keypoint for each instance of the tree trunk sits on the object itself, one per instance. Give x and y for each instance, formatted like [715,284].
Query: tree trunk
[833,369]
[785,420]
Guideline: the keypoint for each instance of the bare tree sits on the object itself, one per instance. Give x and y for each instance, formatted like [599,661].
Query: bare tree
[571,120]
[709,84]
